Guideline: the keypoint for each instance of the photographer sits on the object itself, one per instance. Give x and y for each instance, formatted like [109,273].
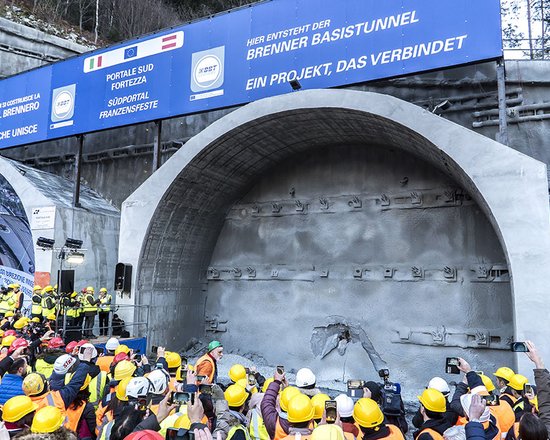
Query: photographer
[439,384]
[388,397]
[542,381]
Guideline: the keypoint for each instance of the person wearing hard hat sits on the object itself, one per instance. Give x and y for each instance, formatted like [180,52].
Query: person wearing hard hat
[503,412]
[104,362]
[433,408]
[368,415]
[16,297]
[300,417]
[276,423]
[503,376]
[48,302]
[207,365]
[4,307]
[232,421]
[318,402]
[105,300]
[46,359]
[490,425]
[89,307]
[256,425]
[516,385]
[306,381]
[36,302]
[328,432]
[11,296]
[18,413]
[440,384]
[49,420]
[345,407]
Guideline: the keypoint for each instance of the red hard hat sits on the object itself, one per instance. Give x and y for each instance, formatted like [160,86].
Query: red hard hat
[18,343]
[120,357]
[71,346]
[146,434]
[10,333]
[82,342]
[56,343]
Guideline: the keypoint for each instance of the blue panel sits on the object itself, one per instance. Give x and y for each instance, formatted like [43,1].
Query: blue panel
[243,56]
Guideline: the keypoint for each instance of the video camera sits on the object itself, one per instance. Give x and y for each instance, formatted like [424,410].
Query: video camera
[392,404]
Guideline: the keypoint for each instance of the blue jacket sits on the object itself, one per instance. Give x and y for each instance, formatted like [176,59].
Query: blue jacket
[11,386]
[68,392]
[474,431]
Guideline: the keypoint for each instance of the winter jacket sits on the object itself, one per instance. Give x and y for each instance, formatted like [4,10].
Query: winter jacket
[269,409]
[438,425]
[11,386]
[450,415]
[542,381]
[227,419]
[68,392]
[44,362]
[474,431]
[461,388]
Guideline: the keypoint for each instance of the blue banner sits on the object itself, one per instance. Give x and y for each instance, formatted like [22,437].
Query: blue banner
[242,56]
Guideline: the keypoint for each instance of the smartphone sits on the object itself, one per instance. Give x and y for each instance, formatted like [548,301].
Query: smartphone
[356,384]
[280,369]
[519,347]
[100,351]
[205,389]
[179,434]
[492,400]
[181,398]
[200,378]
[528,389]
[154,349]
[330,411]
[251,379]
[451,365]
[81,350]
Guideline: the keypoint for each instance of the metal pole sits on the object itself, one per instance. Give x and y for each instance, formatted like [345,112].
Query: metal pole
[77,172]
[542,18]
[59,284]
[502,116]
[529,33]
[157,146]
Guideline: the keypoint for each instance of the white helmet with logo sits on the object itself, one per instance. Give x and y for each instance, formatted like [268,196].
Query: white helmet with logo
[159,381]
[138,387]
[305,378]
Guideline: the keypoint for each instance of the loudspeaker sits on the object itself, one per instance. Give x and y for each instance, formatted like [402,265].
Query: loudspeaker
[65,281]
[72,335]
[123,277]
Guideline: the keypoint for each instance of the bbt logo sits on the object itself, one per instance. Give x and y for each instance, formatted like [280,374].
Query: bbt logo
[63,101]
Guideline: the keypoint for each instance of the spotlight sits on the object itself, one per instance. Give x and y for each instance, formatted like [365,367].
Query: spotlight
[295,84]
[75,258]
[45,243]
[73,243]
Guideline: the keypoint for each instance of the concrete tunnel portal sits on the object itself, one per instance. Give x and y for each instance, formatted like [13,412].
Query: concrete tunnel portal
[335,229]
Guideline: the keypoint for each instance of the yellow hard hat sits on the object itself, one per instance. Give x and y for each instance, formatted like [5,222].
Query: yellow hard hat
[267,382]
[182,422]
[34,384]
[124,369]
[8,340]
[48,289]
[517,381]
[287,394]
[121,389]
[90,288]
[47,419]
[487,383]
[327,432]
[237,372]
[235,395]
[433,400]
[103,289]
[367,413]
[535,403]
[1,333]
[87,381]
[14,286]
[504,373]
[318,402]
[172,359]
[300,409]
[17,407]
[122,349]
[51,317]
[20,323]
[9,314]
[36,287]
[35,319]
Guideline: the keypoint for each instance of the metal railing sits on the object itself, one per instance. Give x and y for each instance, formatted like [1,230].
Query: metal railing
[526,49]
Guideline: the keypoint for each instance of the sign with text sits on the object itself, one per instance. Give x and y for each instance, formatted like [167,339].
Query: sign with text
[242,56]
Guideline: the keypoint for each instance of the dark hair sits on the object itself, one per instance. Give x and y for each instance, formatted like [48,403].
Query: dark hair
[433,414]
[532,428]
[16,365]
[82,397]
[347,419]
[126,423]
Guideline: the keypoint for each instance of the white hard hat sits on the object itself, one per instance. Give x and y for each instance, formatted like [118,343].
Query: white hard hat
[305,378]
[112,344]
[159,381]
[88,345]
[138,387]
[344,403]
[63,363]
[439,384]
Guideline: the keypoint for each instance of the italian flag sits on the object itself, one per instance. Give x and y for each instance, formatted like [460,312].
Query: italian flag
[95,62]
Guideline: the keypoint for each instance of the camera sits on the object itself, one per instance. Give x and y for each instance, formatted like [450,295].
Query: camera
[520,347]
[330,411]
[355,388]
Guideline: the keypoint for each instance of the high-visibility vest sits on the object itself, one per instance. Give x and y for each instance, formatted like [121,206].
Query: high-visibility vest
[99,387]
[461,421]
[257,428]
[102,416]
[36,308]
[45,310]
[486,424]
[87,303]
[73,416]
[105,303]
[433,433]
[104,363]
[17,300]
[297,436]
[206,358]
[11,300]
[4,306]
[44,368]
[280,433]
[241,428]
[505,416]
[395,433]
[53,398]
[105,431]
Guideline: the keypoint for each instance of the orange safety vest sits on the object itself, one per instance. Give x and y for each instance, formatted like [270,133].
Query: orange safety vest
[206,358]
[515,431]
[505,416]
[294,437]
[280,433]
[461,421]
[102,416]
[395,433]
[498,435]
[73,416]
[507,396]
[53,398]
[433,433]
[104,363]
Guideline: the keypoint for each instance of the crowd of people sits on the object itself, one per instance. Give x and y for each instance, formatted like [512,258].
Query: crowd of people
[53,390]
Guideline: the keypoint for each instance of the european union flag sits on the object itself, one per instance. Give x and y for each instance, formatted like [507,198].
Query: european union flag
[130,52]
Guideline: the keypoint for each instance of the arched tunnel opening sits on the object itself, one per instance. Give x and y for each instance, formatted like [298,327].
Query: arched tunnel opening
[328,238]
